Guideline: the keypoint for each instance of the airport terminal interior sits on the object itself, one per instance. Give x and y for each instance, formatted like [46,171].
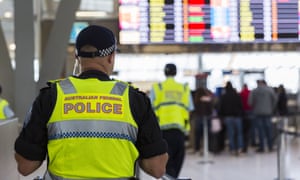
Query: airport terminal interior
[210,41]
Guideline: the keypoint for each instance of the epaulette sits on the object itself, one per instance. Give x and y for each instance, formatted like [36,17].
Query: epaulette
[186,86]
[133,86]
[44,88]
[54,81]
[130,85]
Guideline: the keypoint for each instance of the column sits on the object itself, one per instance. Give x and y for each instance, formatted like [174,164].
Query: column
[53,58]
[6,71]
[25,87]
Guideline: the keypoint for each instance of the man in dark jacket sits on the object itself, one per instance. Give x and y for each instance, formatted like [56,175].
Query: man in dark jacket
[231,110]
[203,102]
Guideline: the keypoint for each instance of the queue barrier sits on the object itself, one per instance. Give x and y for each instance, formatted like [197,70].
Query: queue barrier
[284,130]
[8,134]
[206,154]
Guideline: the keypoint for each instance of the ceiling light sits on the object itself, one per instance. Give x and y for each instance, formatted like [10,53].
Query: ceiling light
[12,46]
[91,14]
[7,14]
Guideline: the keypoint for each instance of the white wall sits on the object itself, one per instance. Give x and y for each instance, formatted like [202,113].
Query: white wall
[278,67]
[138,68]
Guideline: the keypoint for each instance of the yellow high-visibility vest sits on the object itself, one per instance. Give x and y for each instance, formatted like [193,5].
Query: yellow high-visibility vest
[3,104]
[171,104]
[91,131]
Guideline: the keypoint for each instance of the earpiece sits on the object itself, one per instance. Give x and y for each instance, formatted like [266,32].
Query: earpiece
[76,67]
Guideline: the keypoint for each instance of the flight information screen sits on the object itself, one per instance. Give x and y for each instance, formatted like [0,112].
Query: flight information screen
[208,21]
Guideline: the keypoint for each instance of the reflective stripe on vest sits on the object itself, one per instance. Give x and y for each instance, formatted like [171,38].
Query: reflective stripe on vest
[49,176]
[91,131]
[3,103]
[171,104]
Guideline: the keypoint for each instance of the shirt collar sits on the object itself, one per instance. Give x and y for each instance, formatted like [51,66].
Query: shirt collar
[94,74]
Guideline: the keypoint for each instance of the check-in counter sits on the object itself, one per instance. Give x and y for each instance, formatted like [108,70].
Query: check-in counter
[8,135]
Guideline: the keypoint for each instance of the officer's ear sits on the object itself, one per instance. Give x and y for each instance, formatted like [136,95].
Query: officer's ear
[111,58]
[77,66]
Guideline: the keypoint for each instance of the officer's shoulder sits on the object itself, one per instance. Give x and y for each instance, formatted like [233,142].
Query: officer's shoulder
[54,81]
[122,82]
[132,89]
[135,90]
[129,84]
[51,84]
[47,88]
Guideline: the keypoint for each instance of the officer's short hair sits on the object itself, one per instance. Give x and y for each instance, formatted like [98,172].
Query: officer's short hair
[170,69]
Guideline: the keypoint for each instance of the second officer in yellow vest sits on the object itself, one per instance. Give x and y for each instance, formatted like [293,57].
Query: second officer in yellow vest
[172,103]
[5,111]
[90,126]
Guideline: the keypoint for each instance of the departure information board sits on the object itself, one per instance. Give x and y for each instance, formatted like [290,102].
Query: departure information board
[208,21]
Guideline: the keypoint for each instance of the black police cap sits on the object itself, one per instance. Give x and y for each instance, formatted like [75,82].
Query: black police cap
[99,37]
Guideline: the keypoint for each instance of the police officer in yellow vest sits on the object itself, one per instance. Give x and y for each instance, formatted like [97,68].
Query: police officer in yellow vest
[90,126]
[5,111]
[172,102]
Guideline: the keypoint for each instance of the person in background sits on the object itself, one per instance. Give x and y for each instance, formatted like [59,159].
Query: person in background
[90,126]
[203,103]
[248,123]
[263,101]
[172,102]
[282,107]
[6,111]
[231,110]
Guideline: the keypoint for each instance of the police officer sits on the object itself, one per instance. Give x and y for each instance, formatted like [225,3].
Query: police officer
[90,126]
[172,102]
[5,111]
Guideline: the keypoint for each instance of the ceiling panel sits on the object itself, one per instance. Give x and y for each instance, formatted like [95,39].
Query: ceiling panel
[48,10]
[6,20]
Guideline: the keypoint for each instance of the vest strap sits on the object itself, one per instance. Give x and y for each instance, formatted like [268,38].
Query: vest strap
[160,86]
[119,88]
[67,86]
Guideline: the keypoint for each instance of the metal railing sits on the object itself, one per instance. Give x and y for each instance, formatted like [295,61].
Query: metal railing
[284,129]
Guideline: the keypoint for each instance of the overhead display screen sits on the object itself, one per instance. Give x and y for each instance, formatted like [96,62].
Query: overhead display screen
[208,21]
[76,28]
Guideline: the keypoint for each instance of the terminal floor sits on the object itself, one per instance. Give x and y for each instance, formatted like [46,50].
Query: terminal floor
[224,166]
